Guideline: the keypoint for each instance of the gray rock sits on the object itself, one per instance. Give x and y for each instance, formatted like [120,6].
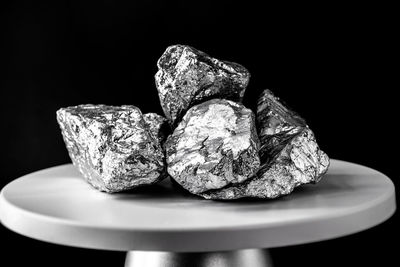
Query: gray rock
[215,145]
[299,162]
[289,154]
[112,147]
[187,77]
[276,125]
[158,126]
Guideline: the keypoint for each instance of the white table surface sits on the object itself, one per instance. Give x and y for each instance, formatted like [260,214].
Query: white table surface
[56,205]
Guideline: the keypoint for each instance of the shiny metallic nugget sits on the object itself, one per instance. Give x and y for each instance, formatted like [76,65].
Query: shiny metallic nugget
[113,147]
[214,145]
[289,153]
[158,126]
[187,76]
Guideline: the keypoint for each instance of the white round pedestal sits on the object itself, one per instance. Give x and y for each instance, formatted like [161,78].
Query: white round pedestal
[56,205]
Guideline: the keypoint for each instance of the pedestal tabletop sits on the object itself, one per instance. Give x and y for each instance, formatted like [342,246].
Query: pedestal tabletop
[56,205]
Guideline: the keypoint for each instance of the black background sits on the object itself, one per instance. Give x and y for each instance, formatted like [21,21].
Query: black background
[330,63]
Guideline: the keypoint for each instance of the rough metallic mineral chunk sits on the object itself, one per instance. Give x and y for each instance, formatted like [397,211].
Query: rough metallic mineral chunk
[112,147]
[276,124]
[289,154]
[158,126]
[299,162]
[187,76]
[215,145]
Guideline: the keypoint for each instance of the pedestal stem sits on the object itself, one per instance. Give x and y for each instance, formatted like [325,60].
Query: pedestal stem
[237,258]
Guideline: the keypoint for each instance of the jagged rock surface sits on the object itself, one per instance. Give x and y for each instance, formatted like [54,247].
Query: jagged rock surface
[214,145]
[112,147]
[158,126]
[299,162]
[276,125]
[187,76]
[289,154]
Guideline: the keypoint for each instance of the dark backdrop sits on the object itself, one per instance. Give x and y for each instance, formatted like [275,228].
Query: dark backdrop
[330,63]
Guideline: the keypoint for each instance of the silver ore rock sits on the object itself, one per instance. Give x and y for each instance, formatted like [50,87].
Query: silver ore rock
[299,162]
[158,126]
[215,145]
[276,124]
[113,147]
[187,76]
[289,153]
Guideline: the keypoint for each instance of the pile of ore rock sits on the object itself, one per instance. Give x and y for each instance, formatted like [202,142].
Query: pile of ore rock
[208,142]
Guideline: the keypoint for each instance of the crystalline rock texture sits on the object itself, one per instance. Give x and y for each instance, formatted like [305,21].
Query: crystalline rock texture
[215,145]
[289,152]
[218,149]
[187,76]
[114,148]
